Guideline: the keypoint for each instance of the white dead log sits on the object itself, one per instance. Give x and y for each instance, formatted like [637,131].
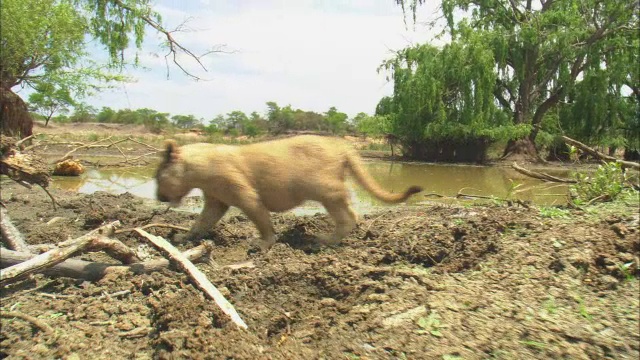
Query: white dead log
[64,251]
[90,270]
[196,275]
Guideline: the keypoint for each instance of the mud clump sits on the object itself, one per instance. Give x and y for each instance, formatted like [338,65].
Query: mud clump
[409,282]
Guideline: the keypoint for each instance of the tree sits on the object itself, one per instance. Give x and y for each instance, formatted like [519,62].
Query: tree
[280,119]
[83,114]
[237,120]
[43,42]
[442,107]
[336,120]
[185,121]
[49,100]
[543,49]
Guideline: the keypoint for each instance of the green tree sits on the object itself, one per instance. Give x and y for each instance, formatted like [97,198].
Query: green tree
[106,115]
[49,101]
[280,119]
[443,106]
[542,50]
[336,120]
[83,114]
[44,42]
[185,121]
[237,120]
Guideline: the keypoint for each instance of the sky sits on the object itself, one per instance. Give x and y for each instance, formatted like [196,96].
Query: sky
[310,54]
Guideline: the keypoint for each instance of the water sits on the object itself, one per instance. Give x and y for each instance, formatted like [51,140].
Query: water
[447,180]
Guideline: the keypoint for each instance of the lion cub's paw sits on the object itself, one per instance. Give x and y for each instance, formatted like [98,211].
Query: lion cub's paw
[188,237]
[263,245]
[327,240]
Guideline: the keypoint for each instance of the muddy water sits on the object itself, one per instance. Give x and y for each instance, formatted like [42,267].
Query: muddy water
[448,180]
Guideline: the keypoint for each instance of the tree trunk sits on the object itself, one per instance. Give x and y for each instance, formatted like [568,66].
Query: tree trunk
[631,154]
[15,119]
[521,149]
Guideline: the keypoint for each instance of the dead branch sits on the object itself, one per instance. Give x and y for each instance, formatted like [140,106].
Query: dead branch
[196,275]
[459,195]
[541,176]
[89,270]
[114,248]
[11,235]
[64,251]
[174,46]
[34,321]
[599,155]
[120,231]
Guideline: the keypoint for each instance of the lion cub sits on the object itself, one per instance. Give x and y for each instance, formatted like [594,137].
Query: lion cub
[269,176]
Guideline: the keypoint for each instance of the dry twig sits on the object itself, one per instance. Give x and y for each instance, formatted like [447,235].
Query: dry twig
[35,321]
[153,225]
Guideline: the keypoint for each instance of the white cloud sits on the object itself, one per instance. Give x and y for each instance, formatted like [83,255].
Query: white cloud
[312,55]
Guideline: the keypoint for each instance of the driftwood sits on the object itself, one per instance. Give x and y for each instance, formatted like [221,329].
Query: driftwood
[89,270]
[64,251]
[12,237]
[541,176]
[196,275]
[599,155]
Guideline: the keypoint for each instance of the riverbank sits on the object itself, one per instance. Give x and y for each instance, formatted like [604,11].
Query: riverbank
[433,281]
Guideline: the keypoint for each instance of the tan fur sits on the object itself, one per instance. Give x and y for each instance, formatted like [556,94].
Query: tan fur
[269,176]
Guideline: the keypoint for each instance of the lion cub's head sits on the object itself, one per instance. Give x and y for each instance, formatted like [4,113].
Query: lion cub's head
[172,186]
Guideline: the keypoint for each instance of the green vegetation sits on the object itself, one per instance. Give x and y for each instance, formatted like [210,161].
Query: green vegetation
[554,212]
[518,70]
[605,184]
[276,120]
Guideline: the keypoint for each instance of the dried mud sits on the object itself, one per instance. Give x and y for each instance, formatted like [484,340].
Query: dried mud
[427,282]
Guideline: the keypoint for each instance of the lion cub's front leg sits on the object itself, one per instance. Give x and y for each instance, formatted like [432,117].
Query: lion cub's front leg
[213,210]
[261,218]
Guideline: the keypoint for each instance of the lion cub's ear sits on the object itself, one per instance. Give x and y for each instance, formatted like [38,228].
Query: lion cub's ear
[172,150]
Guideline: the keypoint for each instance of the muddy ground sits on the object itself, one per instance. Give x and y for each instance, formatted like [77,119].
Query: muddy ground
[426,282]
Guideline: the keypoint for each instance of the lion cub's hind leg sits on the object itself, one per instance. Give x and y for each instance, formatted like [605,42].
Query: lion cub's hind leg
[343,216]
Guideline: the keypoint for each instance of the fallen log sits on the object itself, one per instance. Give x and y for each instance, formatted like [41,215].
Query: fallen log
[195,274]
[599,155]
[92,271]
[541,176]
[11,235]
[64,251]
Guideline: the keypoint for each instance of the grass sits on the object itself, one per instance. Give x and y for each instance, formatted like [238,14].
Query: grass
[551,212]
[550,306]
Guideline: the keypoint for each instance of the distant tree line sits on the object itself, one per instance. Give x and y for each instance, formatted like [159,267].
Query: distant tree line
[275,120]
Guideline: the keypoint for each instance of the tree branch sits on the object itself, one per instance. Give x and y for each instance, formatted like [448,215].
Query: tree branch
[174,46]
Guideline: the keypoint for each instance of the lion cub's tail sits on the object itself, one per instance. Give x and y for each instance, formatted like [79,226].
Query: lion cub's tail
[367,182]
